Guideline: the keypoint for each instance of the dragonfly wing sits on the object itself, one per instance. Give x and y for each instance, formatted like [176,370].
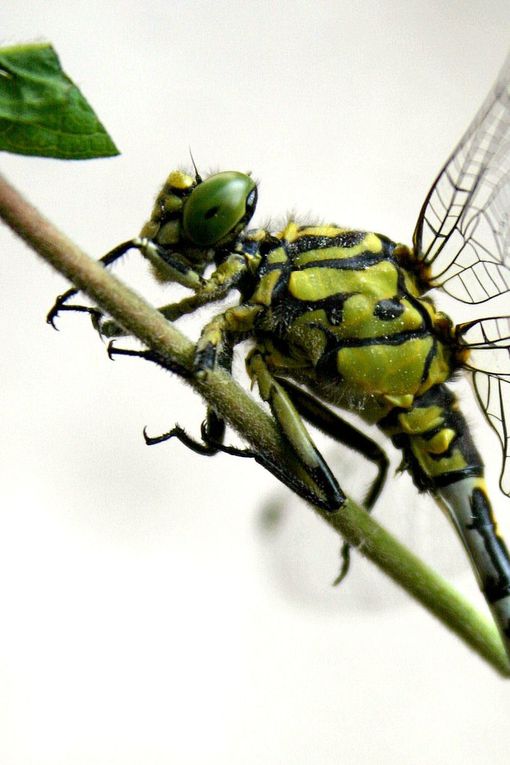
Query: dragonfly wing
[463,230]
[488,341]
[493,394]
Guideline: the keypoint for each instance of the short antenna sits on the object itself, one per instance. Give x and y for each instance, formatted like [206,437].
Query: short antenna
[198,177]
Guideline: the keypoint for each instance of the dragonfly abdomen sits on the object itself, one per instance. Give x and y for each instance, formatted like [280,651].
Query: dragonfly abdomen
[468,505]
[435,439]
[440,455]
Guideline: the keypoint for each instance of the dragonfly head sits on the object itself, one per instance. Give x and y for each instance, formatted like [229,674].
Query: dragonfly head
[192,217]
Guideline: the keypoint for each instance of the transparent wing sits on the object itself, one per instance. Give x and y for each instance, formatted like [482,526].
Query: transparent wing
[493,395]
[488,341]
[463,230]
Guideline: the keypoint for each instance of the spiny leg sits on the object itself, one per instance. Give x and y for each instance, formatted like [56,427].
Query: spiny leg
[296,435]
[178,269]
[294,483]
[319,415]
[212,429]
[215,349]
[172,312]
[212,432]
[230,327]
[293,429]
[223,329]
[330,423]
[60,302]
[222,281]
[154,356]
[214,425]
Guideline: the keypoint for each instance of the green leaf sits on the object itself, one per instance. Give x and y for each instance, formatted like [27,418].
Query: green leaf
[42,112]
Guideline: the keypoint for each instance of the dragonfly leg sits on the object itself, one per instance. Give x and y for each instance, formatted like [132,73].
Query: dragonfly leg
[172,312]
[153,356]
[213,427]
[177,269]
[212,432]
[213,289]
[61,301]
[330,423]
[295,434]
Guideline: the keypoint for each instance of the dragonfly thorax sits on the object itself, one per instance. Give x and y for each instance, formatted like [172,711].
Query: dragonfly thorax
[335,306]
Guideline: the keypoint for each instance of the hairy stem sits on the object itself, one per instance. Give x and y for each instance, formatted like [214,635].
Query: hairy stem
[243,413]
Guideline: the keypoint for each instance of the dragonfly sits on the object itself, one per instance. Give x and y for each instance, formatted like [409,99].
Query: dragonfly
[342,319]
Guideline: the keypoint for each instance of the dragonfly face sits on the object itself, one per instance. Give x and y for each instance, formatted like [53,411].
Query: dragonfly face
[342,313]
[192,221]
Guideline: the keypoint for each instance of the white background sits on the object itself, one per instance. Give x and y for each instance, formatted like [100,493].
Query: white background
[147,612]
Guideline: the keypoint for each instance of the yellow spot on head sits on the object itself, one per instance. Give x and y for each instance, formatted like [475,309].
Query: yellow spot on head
[179,180]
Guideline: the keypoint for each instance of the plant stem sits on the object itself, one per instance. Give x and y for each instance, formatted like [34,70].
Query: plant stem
[243,413]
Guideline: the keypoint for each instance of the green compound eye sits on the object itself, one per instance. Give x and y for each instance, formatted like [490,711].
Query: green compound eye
[217,206]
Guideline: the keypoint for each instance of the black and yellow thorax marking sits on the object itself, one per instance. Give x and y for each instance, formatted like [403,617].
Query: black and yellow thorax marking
[337,304]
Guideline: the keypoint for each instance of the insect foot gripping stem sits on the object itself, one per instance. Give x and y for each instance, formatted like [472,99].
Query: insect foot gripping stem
[468,506]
